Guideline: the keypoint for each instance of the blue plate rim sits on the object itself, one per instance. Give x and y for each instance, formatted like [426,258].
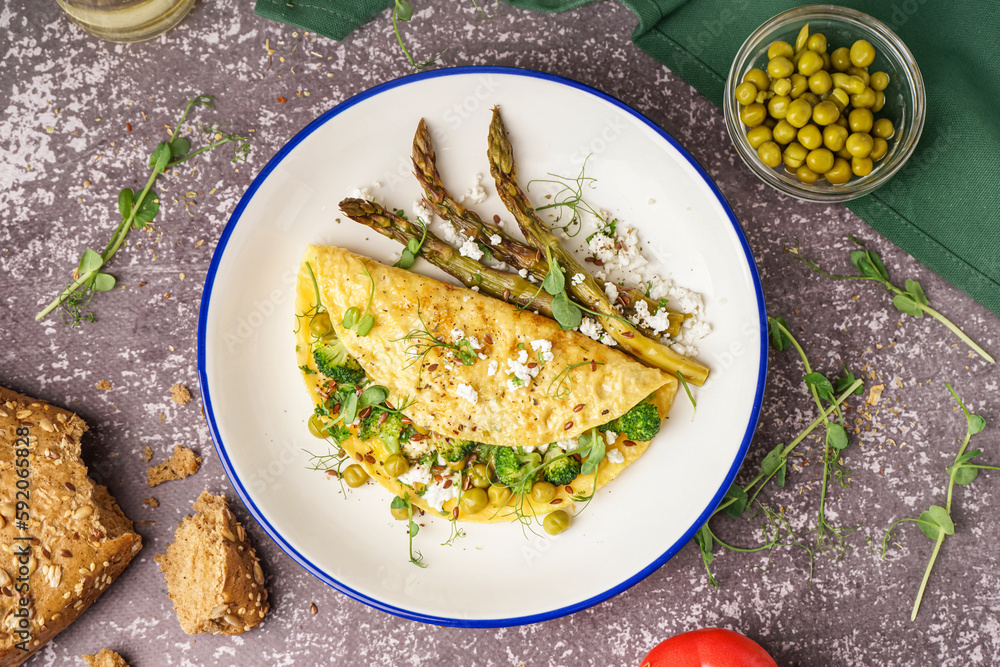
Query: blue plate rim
[275,535]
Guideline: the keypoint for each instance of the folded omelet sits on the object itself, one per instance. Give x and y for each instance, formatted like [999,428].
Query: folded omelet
[471,367]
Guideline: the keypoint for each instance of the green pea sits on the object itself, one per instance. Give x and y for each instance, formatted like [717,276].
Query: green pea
[396,465]
[840,59]
[852,85]
[753,115]
[783,132]
[864,100]
[778,106]
[834,137]
[498,495]
[542,492]
[758,78]
[795,155]
[800,84]
[399,513]
[810,97]
[820,160]
[781,86]
[806,175]
[860,72]
[840,98]
[883,128]
[803,38]
[746,93]
[820,82]
[555,522]
[780,67]
[879,101]
[758,135]
[799,113]
[825,113]
[480,475]
[810,137]
[840,173]
[860,120]
[780,48]
[879,81]
[859,144]
[474,501]
[316,427]
[769,153]
[861,166]
[862,53]
[879,148]
[355,476]
[810,63]
[817,43]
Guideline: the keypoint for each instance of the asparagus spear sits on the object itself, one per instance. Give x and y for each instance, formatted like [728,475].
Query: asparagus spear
[508,249]
[509,287]
[504,171]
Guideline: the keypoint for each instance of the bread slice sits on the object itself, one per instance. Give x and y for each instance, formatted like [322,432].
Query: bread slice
[105,658]
[213,574]
[67,541]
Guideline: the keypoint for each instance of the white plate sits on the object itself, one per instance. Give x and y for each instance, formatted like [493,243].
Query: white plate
[257,405]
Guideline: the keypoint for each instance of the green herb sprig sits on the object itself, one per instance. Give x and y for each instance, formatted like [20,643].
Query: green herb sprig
[561,386]
[354,319]
[421,341]
[569,196]
[774,465]
[412,249]
[910,300]
[403,502]
[403,11]
[935,522]
[137,211]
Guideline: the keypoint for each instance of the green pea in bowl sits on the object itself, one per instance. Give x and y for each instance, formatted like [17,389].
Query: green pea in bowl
[904,105]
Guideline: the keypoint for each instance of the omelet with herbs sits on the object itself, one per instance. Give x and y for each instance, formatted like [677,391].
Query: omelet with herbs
[462,404]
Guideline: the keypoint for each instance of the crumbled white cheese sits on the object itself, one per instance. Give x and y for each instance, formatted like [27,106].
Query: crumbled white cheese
[449,232]
[567,445]
[592,329]
[578,278]
[522,374]
[475,288]
[610,436]
[612,291]
[474,342]
[481,355]
[457,334]
[470,249]
[491,370]
[658,322]
[523,273]
[476,194]
[495,239]
[467,392]
[614,456]
[421,212]
[365,192]
[544,349]
[435,495]
[687,301]
[417,473]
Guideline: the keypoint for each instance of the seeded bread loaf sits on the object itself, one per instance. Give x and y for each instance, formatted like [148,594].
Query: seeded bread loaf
[105,658]
[63,539]
[213,574]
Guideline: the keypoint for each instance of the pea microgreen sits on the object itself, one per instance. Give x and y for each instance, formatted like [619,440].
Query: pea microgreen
[687,390]
[412,249]
[403,11]
[935,522]
[829,539]
[569,196]
[403,502]
[137,210]
[354,319]
[910,299]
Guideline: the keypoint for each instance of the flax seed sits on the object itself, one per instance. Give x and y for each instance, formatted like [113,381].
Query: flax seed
[578,407]
[406,420]
[432,368]
[364,413]
[369,458]
[496,219]
[532,364]
[488,339]
[382,417]
[593,366]
[454,512]
[390,405]
[447,483]
[556,501]
[506,295]
[569,489]
[628,334]
[359,458]
[629,443]
[568,426]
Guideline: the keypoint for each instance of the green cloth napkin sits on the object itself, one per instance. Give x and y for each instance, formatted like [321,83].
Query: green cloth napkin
[942,207]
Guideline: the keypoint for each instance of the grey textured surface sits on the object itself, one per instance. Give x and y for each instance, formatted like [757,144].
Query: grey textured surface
[854,612]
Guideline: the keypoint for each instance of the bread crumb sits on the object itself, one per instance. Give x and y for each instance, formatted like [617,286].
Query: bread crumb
[212,572]
[183,463]
[147,453]
[103,384]
[151,501]
[180,394]
[105,658]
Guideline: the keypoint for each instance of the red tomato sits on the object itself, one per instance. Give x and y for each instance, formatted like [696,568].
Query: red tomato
[708,647]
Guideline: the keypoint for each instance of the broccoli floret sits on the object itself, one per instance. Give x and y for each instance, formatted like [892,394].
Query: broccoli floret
[388,431]
[562,470]
[641,423]
[454,450]
[333,361]
[506,465]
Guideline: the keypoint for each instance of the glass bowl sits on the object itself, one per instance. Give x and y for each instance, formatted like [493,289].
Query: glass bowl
[905,98]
